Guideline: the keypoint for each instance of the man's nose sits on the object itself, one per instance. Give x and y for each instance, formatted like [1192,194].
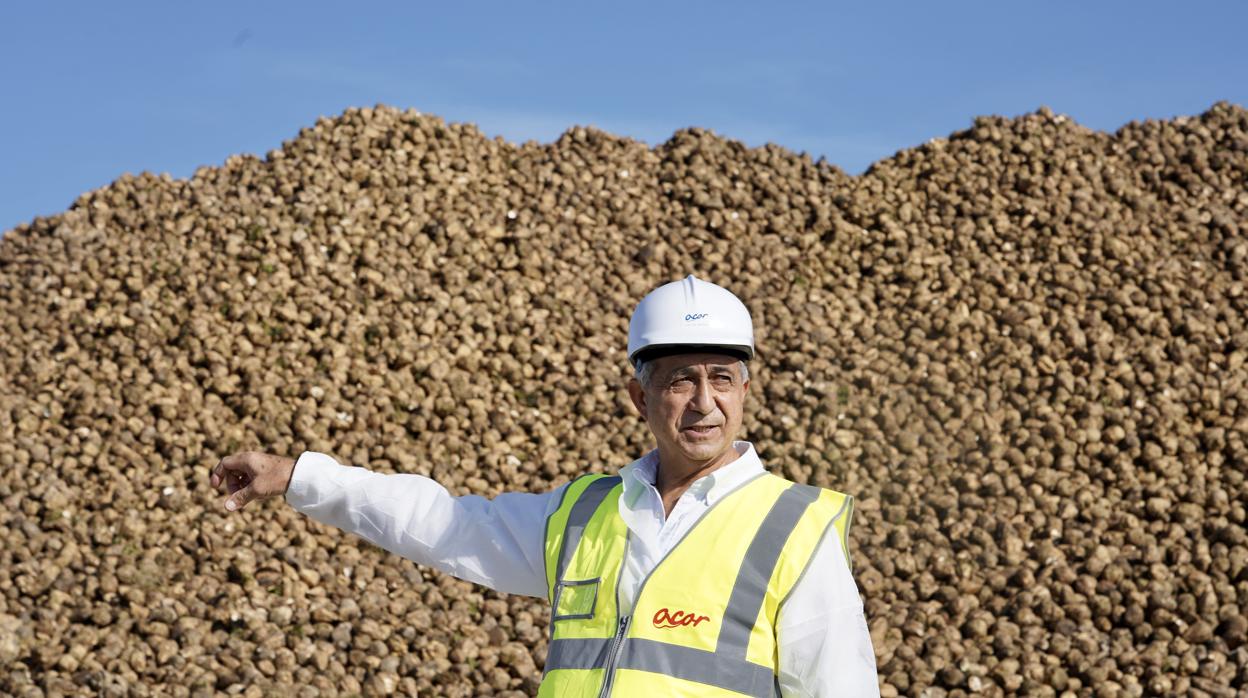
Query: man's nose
[702,402]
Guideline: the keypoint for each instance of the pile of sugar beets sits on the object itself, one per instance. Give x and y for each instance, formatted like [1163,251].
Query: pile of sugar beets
[1022,347]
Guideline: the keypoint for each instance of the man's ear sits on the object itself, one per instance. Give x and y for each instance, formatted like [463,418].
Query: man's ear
[638,395]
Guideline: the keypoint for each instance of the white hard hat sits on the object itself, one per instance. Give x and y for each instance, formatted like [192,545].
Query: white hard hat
[687,316]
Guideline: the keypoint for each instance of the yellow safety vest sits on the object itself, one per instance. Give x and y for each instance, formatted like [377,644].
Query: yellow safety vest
[704,621]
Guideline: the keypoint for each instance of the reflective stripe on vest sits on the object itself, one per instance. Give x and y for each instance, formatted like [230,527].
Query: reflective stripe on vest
[787,522]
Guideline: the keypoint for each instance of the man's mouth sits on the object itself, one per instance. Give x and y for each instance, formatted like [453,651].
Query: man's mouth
[702,430]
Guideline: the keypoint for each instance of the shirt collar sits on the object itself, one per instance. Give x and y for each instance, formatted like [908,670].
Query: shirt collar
[643,472]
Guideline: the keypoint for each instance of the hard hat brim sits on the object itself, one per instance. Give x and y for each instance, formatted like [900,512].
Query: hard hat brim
[658,351]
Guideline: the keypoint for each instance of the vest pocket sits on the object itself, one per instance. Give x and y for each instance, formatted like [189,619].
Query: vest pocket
[575,599]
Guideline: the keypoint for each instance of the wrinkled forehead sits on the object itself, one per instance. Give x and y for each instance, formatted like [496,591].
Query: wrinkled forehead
[710,362]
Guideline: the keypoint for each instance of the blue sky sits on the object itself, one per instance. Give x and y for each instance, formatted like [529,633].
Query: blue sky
[89,91]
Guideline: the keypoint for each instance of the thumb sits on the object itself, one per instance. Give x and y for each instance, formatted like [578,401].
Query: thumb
[239,499]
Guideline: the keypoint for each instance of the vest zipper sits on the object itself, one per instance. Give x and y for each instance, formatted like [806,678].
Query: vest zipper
[608,676]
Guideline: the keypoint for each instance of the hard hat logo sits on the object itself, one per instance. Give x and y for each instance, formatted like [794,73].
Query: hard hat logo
[678,315]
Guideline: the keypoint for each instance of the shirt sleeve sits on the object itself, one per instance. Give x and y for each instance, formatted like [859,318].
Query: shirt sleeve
[825,645]
[499,542]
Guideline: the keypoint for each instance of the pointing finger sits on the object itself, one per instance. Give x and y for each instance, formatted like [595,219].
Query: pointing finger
[225,471]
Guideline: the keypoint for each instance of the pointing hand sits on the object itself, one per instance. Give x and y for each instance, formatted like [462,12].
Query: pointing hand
[251,475]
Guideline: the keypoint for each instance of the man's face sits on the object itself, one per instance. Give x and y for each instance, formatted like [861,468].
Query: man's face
[693,406]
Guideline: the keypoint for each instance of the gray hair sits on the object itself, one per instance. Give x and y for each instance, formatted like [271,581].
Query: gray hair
[644,371]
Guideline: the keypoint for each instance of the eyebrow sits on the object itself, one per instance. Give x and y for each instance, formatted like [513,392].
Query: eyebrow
[683,372]
[686,371]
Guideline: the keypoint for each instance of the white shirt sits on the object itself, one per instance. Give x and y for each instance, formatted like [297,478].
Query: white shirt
[825,647]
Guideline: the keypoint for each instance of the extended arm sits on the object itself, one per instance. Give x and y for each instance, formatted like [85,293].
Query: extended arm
[497,543]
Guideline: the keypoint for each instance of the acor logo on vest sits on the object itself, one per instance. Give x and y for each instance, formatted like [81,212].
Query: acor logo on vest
[695,316]
[663,618]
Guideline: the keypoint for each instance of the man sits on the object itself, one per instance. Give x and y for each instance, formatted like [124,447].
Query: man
[693,572]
